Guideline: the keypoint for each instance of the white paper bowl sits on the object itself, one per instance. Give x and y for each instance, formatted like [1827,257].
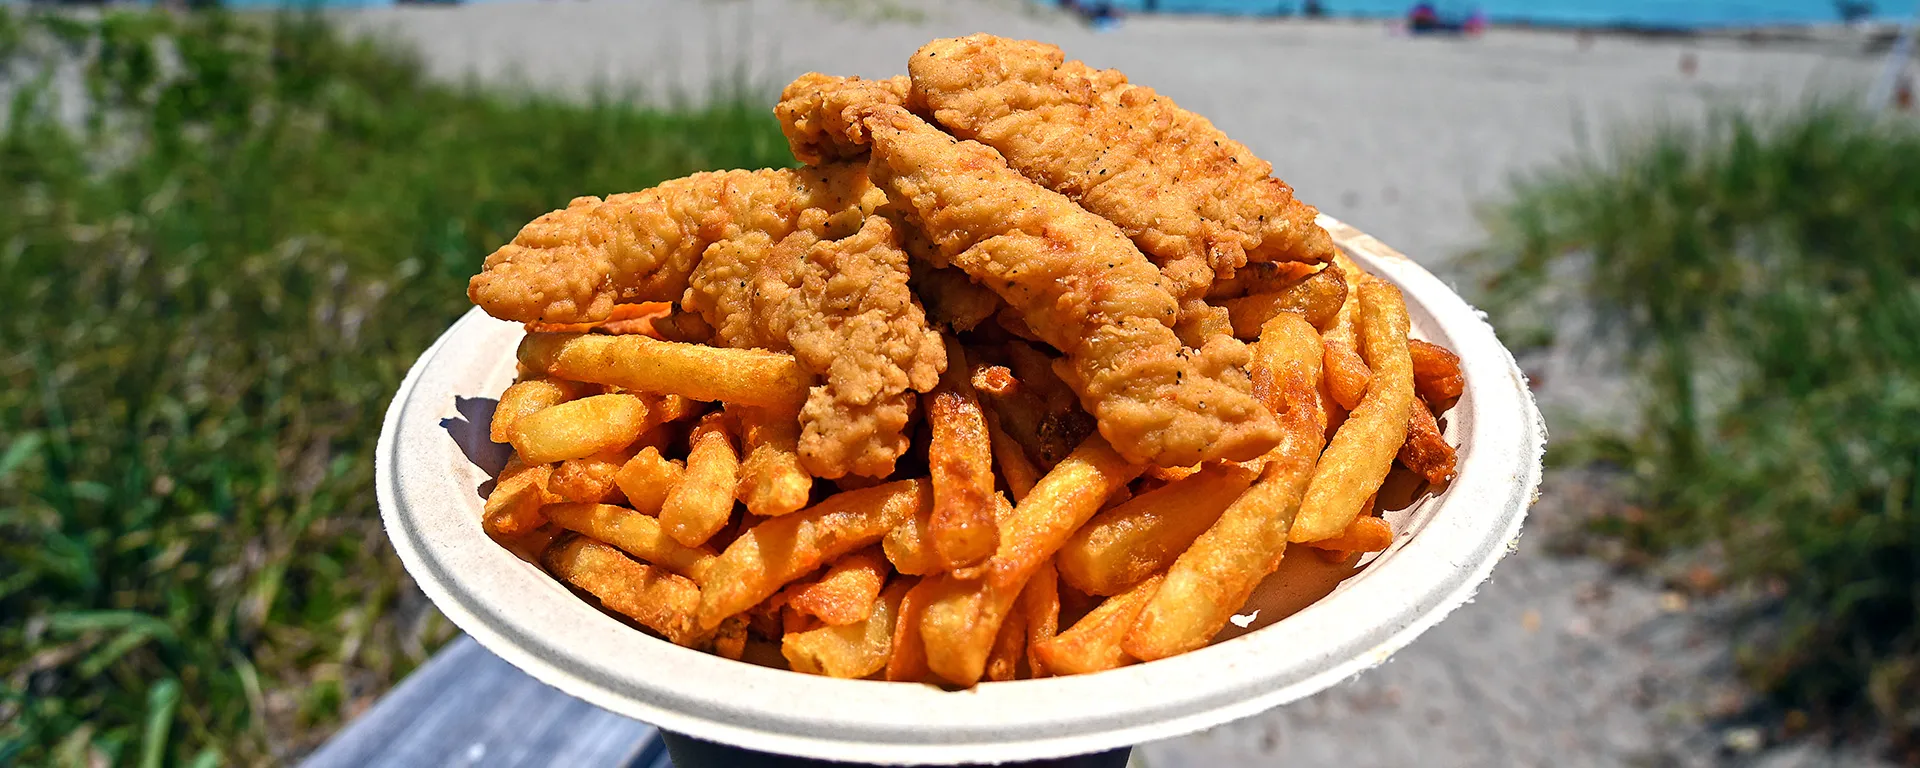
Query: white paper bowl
[1447,544]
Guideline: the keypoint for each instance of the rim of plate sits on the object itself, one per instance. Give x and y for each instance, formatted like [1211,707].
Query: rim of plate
[432,513]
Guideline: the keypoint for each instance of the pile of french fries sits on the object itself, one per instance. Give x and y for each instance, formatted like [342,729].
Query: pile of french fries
[659,477]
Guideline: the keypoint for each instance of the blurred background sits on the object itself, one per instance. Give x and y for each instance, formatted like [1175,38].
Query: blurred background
[226,233]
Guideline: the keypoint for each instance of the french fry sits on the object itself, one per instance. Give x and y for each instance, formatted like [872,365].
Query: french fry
[730,640]
[1093,644]
[1003,661]
[952,298]
[578,428]
[1128,542]
[1345,372]
[845,593]
[852,651]
[636,534]
[682,326]
[647,478]
[622,313]
[1362,451]
[1436,372]
[702,503]
[910,546]
[1364,534]
[1213,578]
[907,659]
[1426,451]
[960,462]
[1042,405]
[529,396]
[769,555]
[515,465]
[1040,602]
[964,616]
[992,380]
[1259,277]
[659,600]
[1316,297]
[513,508]
[646,364]
[589,478]
[1015,468]
[772,481]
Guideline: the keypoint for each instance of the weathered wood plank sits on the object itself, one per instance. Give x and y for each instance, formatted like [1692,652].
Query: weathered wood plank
[468,707]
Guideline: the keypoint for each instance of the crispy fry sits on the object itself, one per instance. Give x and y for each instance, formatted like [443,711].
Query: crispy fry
[1357,459]
[992,380]
[1015,468]
[1040,603]
[1436,372]
[646,364]
[1426,450]
[647,478]
[634,533]
[730,640]
[1213,578]
[852,651]
[785,548]
[622,313]
[589,478]
[1259,277]
[1346,373]
[845,593]
[1316,297]
[660,601]
[907,659]
[964,616]
[1093,643]
[578,428]
[1003,661]
[513,508]
[702,503]
[1020,415]
[910,546]
[772,481]
[960,460]
[682,326]
[951,297]
[529,396]
[1364,534]
[1131,541]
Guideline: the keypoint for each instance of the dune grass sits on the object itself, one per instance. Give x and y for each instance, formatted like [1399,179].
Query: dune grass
[213,276]
[1761,273]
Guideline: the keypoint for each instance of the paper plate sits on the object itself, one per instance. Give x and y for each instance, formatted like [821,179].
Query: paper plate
[1313,624]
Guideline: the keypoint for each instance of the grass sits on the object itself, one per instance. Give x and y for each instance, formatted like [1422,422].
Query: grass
[1760,273]
[212,283]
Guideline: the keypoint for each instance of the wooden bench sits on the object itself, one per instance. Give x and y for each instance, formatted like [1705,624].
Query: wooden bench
[467,707]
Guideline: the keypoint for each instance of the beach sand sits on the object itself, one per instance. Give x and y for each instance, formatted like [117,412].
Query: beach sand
[1559,661]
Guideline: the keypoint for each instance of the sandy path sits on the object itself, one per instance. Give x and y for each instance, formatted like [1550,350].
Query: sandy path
[1558,662]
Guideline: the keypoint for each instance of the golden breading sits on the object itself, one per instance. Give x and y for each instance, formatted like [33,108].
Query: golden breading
[810,107]
[1194,200]
[1082,286]
[844,309]
[573,265]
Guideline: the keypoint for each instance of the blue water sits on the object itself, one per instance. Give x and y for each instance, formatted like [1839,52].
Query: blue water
[1647,13]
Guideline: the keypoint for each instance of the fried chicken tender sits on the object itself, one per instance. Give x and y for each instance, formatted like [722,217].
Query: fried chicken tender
[1081,286]
[573,265]
[843,307]
[1198,203]
[811,107]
